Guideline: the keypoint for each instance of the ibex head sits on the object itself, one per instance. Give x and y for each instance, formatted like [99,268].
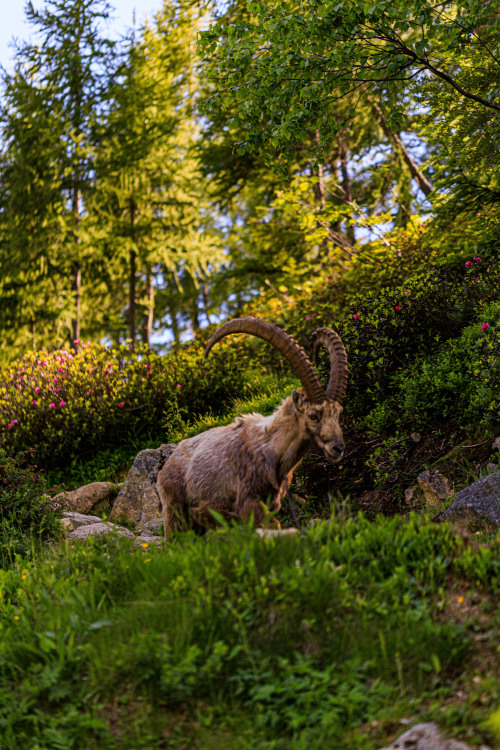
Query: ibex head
[318,410]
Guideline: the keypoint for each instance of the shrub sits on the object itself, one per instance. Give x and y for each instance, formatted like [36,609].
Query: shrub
[459,383]
[384,334]
[63,404]
[27,514]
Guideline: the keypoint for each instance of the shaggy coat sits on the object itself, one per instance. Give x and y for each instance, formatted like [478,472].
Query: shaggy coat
[243,470]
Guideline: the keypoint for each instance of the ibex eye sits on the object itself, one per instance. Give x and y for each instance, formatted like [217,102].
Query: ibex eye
[314,417]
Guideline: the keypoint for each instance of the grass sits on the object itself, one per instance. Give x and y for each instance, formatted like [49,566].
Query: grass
[232,641]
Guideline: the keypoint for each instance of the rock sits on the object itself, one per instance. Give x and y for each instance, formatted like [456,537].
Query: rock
[97,529]
[491,467]
[85,498]
[410,493]
[478,502]
[495,446]
[155,526]
[138,499]
[434,486]
[427,737]
[416,437]
[268,533]
[79,519]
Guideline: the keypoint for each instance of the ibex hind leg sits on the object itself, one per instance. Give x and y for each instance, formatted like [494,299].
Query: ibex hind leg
[256,510]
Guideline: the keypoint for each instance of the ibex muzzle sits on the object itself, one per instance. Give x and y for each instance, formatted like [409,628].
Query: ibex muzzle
[233,470]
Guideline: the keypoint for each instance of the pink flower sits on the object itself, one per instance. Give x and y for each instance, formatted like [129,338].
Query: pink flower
[106,371]
[52,406]
[62,403]
[60,369]
[307,317]
[58,389]
[355,316]
[478,260]
[407,291]
[398,307]
[35,402]
[37,390]
[76,342]
[485,326]
[55,380]
[14,421]
[18,387]
[179,386]
[9,426]
[468,264]
[120,406]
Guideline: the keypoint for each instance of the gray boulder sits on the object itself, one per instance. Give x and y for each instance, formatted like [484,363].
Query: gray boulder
[86,498]
[98,529]
[427,737]
[138,500]
[478,502]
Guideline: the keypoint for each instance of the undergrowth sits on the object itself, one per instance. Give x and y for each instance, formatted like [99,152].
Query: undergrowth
[287,643]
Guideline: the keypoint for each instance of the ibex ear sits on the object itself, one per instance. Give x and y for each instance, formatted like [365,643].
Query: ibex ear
[298,401]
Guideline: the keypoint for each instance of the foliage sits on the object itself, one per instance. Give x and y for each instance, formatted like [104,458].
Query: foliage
[65,404]
[27,514]
[285,66]
[305,639]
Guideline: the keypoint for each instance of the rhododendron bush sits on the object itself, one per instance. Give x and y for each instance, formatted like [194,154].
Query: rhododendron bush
[64,403]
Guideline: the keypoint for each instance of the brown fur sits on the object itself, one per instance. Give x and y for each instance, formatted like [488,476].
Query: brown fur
[234,469]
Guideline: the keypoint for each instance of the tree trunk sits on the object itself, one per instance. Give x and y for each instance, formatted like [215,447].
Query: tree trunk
[76,274]
[147,319]
[132,293]
[422,181]
[346,187]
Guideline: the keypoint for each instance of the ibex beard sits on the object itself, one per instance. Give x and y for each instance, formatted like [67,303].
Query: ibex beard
[243,470]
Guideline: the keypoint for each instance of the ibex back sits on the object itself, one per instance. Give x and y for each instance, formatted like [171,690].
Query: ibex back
[243,470]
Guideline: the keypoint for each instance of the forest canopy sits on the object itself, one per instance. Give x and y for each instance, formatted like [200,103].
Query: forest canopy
[228,156]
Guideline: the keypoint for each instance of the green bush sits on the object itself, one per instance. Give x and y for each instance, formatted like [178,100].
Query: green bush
[27,515]
[63,404]
[384,334]
[460,382]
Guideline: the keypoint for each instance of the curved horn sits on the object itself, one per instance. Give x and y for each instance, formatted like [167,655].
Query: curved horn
[280,339]
[339,369]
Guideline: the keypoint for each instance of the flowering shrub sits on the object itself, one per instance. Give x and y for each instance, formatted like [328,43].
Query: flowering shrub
[384,334]
[62,404]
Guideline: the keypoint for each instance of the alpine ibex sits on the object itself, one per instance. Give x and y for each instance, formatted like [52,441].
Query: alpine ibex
[233,469]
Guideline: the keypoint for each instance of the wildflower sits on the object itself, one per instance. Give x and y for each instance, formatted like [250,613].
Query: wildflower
[16,617]
[398,307]
[179,386]
[25,572]
[18,387]
[307,317]
[55,380]
[468,264]
[120,406]
[485,326]
[37,390]
[62,403]
[35,402]
[355,316]
[24,577]
[460,599]
[76,342]
[477,260]
[52,406]
[14,421]
[144,545]
[407,291]
[367,335]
